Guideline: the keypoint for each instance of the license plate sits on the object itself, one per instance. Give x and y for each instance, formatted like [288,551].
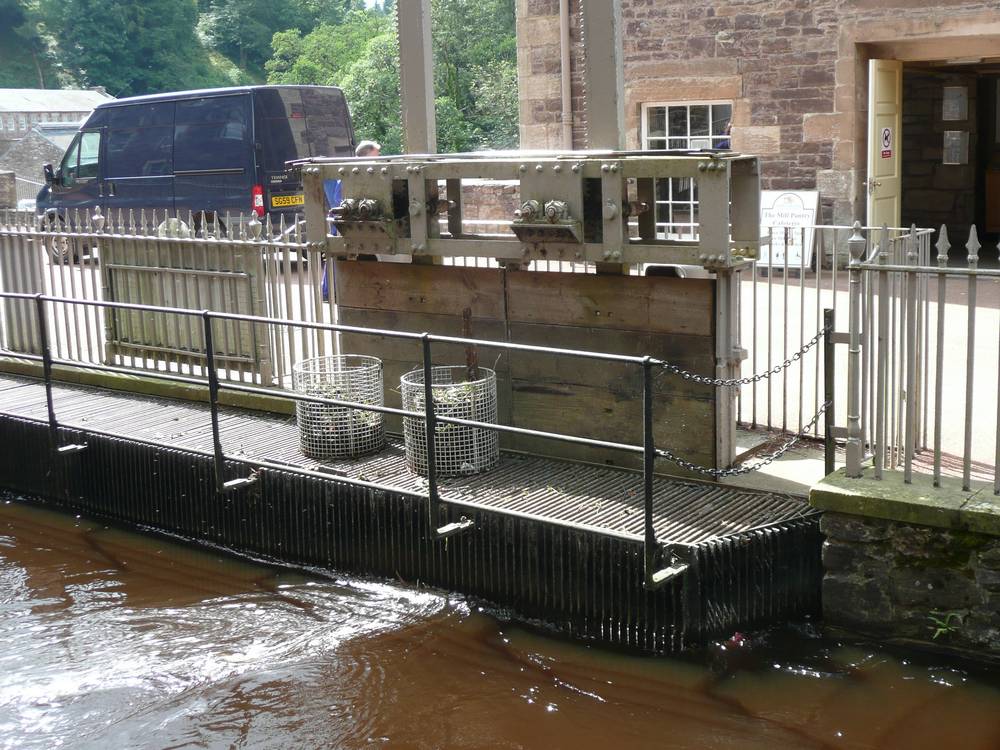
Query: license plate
[282,201]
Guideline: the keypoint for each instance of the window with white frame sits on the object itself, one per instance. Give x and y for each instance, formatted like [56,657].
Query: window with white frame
[686,126]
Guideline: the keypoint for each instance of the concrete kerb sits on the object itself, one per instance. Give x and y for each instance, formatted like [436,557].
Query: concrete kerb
[946,507]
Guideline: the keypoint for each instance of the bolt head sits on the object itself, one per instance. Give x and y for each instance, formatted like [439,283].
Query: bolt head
[370,170]
[355,171]
[340,171]
[605,167]
[557,168]
[522,169]
[539,168]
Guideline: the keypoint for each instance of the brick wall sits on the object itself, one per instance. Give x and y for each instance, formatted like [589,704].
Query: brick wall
[794,70]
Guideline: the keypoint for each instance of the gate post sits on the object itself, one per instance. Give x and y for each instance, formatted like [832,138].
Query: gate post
[856,246]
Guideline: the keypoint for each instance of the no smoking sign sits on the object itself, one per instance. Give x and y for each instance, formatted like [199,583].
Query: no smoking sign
[886,143]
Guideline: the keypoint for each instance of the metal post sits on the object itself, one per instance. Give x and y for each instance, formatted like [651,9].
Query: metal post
[882,356]
[829,446]
[648,456]
[970,356]
[430,425]
[603,77]
[43,337]
[213,401]
[910,426]
[942,259]
[416,76]
[856,246]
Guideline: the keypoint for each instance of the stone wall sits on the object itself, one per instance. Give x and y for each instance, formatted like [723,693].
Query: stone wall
[795,71]
[26,156]
[935,193]
[8,190]
[915,582]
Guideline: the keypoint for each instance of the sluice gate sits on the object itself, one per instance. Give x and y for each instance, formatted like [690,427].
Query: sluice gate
[552,541]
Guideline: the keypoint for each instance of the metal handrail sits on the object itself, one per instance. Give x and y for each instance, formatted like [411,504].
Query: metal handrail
[653,578]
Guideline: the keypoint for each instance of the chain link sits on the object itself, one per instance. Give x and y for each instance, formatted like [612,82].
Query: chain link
[724,383]
[744,468]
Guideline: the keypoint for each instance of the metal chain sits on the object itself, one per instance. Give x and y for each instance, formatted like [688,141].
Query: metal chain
[724,383]
[744,468]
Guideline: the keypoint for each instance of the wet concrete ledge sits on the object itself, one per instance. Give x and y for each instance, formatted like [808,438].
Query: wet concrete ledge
[946,507]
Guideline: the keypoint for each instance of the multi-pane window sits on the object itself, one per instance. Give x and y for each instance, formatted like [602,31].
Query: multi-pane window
[687,127]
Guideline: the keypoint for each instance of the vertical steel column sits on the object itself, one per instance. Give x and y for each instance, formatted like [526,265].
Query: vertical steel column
[430,427]
[910,426]
[603,77]
[829,394]
[856,246]
[648,456]
[416,76]
[882,355]
[43,337]
[970,355]
[213,400]
[942,291]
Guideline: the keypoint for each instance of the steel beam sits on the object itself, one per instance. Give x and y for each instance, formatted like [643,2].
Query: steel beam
[603,78]
[416,76]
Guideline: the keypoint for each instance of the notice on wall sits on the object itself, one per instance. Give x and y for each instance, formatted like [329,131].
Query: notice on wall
[787,227]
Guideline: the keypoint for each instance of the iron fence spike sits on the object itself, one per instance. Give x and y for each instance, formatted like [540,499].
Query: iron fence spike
[942,246]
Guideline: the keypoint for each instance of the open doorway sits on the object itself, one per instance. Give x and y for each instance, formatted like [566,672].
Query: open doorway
[951,150]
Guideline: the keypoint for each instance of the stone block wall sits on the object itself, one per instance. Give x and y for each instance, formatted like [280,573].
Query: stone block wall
[914,582]
[795,71]
[8,190]
[935,193]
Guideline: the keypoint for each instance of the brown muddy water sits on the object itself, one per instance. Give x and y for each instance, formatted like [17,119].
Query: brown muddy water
[112,639]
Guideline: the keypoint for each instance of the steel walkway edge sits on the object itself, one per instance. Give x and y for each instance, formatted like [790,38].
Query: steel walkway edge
[556,542]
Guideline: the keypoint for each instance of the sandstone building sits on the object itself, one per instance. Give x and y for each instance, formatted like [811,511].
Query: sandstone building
[793,79]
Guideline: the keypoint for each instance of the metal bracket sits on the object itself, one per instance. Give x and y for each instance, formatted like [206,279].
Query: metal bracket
[456,527]
[656,579]
[65,450]
[236,484]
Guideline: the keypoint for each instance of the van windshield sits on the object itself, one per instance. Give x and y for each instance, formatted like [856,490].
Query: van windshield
[295,123]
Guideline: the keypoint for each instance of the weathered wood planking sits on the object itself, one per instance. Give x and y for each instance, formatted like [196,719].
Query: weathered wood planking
[632,303]
[670,319]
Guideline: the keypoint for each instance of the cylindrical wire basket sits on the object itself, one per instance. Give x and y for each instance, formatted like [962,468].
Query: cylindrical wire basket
[458,449]
[327,431]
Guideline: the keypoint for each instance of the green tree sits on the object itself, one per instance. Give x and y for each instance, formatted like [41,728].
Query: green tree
[131,46]
[324,55]
[241,30]
[26,59]
[475,71]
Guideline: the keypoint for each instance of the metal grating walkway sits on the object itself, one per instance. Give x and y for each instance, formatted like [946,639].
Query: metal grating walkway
[604,499]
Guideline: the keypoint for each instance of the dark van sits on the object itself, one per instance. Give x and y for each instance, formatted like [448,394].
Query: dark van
[205,152]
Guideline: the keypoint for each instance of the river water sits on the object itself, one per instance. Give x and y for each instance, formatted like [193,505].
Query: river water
[112,639]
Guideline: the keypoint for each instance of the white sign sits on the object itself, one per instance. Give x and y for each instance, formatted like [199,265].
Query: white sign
[886,143]
[787,221]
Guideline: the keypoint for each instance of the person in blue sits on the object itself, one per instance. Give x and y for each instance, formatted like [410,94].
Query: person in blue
[333,191]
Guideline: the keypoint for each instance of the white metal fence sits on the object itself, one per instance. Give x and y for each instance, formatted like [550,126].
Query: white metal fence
[239,266]
[924,368]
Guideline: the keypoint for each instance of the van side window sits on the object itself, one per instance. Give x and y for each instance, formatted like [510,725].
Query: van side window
[212,133]
[141,140]
[70,162]
[90,152]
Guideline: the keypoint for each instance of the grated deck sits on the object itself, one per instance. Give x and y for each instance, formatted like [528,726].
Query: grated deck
[602,498]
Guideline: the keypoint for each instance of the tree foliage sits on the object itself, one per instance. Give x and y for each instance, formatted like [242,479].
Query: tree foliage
[130,46]
[475,71]
[146,46]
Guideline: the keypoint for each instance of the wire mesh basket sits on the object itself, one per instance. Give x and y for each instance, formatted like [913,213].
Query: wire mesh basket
[459,450]
[327,431]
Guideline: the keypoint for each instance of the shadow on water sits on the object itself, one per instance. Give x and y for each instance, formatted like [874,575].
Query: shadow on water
[116,639]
